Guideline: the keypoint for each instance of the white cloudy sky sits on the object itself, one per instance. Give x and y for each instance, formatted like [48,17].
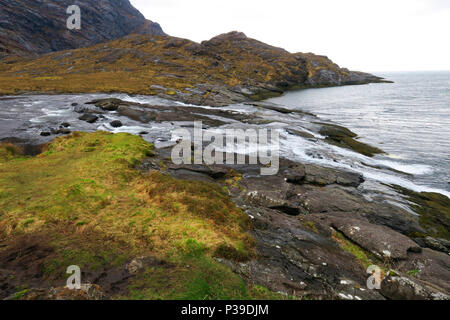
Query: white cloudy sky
[367,35]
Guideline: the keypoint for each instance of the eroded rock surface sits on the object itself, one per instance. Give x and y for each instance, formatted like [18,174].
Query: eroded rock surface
[36,27]
[316,239]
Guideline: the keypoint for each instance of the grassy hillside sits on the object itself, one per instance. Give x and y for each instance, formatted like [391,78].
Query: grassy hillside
[82,202]
[168,65]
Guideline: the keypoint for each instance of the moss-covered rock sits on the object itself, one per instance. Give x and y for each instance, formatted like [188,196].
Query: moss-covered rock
[434,211]
[343,137]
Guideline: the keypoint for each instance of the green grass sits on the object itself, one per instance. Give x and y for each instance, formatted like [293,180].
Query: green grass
[413,273]
[361,255]
[84,198]
[433,210]
[194,275]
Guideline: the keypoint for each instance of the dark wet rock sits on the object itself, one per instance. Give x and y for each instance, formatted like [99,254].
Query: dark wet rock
[116,124]
[46,133]
[74,104]
[403,288]
[430,267]
[295,260]
[65,124]
[339,202]
[215,172]
[280,109]
[343,137]
[270,192]
[312,174]
[147,113]
[433,210]
[62,131]
[276,108]
[300,133]
[89,118]
[335,131]
[293,225]
[109,104]
[380,240]
[137,114]
[143,133]
[435,244]
[86,109]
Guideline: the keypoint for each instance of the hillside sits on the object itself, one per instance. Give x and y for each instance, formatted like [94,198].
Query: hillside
[39,26]
[228,68]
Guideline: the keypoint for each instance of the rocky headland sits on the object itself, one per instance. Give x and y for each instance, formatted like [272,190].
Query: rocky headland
[229,68]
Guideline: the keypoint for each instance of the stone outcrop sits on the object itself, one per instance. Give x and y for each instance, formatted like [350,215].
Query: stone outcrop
[39,26]
[316,240]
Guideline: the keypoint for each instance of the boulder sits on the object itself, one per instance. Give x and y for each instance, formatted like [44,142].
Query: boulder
[403,288]
[89,118]
[321,176]
[379,240]
[343,137]
[116,124]
[300,133]
[110,104]
[136,114]
[63,131]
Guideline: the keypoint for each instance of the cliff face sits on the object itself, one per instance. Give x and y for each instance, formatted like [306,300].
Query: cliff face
[39,26]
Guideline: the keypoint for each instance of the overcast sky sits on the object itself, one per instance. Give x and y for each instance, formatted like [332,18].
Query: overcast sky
[366,35]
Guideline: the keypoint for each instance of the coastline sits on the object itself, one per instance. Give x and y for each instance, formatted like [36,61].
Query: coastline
[293,212]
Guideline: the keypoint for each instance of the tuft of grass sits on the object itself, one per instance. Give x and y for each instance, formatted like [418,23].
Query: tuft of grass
[20,294]
[9,151]
[361,255]
[310,225]
[258,292]
[413,273]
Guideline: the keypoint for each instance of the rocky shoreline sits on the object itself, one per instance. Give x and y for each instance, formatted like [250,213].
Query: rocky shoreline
[316,231]
[317,234]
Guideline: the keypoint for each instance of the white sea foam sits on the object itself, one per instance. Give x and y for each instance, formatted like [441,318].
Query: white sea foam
[297,149]
[407,168]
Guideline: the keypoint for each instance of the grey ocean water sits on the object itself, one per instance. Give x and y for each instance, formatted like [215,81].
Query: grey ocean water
[409,119]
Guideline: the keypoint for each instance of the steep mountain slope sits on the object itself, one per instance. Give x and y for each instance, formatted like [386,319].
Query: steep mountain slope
[228,68]
[39,26]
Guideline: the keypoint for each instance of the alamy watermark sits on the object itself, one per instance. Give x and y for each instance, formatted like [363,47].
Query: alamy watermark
[374,281]
[74,20]
[74,281]
[228,146]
